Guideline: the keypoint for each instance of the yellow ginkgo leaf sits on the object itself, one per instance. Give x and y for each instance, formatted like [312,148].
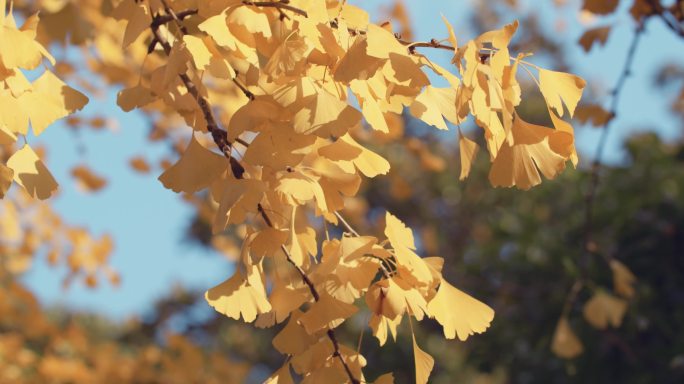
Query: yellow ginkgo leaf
[468,150]
[20,48]
[197,168]
[604,309]
[290,58]
[398,233]
[393,297]
[138,17]
[245,22]
[402,241]
[236,198]
[458,313]
[324,114]
[355,17]
[266,243]
[370,108]
[423,363]
[327,312]
[217,27]
[314,357]
[565,343]
[380,325]
[433,103]
[50,100]
[238,296]
[500,38]
[452,36]
[295,189]
[368,162]
[560,88]
[293,338]
[284,300]
[623,279]
[134,97]
[381,43]
[201,56]
[31,173]
[357,64]
[519,164]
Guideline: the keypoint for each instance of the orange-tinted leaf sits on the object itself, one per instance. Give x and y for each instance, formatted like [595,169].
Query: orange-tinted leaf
[31,173]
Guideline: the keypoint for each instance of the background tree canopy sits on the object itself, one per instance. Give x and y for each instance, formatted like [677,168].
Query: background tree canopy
[283,134]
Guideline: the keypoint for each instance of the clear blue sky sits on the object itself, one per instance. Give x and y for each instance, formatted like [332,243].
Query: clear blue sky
[147,221]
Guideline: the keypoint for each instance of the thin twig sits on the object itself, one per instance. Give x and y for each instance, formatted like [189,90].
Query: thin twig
[596,164]
[220,137]
[174,16]
[661,12]
[244,89]
[280,5]
[426,44]
[163,19]
[349,228]
[314,292]
[587,243]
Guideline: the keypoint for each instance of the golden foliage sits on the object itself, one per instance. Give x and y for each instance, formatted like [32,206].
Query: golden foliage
[287,92]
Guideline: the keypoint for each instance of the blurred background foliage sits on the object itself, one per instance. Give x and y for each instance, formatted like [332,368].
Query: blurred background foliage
[521,252]
[518,250]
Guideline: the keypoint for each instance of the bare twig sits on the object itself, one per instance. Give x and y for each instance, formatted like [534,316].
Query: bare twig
[349,228]
[667,17]
[587,244]
[244,89]
[280,5]
[163,19]
[434,43]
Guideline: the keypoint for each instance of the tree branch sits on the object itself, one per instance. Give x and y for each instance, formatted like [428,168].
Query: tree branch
[587,243]
[280,5]
[659,11]
[588,246]
[314,292]
[433,43]
[220,137]
[164,19]
[349,227]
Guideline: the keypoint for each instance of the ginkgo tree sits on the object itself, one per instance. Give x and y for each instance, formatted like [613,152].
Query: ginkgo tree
[273,97]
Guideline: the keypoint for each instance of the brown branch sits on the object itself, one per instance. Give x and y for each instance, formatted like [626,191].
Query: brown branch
[164,19]
[346,224]
[280,5]
[314,292]
[220,137]
[660,11]
[244,89]
[433,43]
[411,45]
[588,246]
[587,243]
[174,17]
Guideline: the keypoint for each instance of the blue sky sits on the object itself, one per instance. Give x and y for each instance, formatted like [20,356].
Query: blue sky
[147,221]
